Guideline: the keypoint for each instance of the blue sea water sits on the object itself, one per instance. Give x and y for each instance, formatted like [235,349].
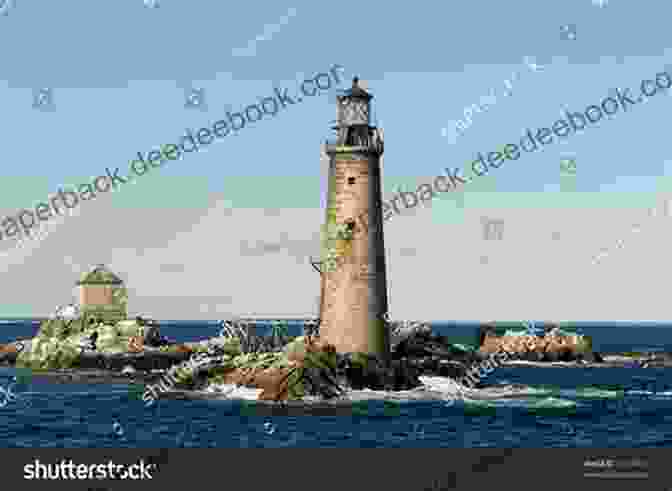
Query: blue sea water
[561,407]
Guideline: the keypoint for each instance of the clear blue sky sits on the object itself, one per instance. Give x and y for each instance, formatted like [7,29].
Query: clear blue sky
[118,71]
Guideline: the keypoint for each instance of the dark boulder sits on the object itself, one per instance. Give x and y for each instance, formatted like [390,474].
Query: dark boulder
[350,371]
[484,331]
[466,357]
[661,357]
[566,354]
[8,358]
[590,357]
[409,347]
[144,361]
[452,369]
[405,374]
[361,371]
[532,356]
[318,383]
[375,373]
[429,366]
[425,344]
[153,337]
[551,356]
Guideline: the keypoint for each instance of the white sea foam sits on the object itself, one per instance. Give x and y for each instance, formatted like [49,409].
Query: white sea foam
[596,393]
[649,393]
[640,392]
[432,389]
[545,403]
[233,391]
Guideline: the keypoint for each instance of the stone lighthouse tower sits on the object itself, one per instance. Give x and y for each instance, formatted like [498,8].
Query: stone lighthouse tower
[353,283]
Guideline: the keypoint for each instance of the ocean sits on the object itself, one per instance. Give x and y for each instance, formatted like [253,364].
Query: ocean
[553,407]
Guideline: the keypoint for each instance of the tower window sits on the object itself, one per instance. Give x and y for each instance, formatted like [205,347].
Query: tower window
[351,180]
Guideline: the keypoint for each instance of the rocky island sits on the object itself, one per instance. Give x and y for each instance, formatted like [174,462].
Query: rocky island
[68,348]
[95,341]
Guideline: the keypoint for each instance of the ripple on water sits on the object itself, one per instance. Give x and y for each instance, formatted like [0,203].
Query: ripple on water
[598,393]
[529,403]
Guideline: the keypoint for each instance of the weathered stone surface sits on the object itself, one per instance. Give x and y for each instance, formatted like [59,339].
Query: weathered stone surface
[550,347]
[135,344]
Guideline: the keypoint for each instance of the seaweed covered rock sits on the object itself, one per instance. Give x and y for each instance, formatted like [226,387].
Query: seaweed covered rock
[278,378]
[320,363]
[49,354]
[276,382]
[61,342]
[308,367]
[304,367]
[217,346]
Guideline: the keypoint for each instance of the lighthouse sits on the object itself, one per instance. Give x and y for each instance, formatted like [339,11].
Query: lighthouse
[353,298]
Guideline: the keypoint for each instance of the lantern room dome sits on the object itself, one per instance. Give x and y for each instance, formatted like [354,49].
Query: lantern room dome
[356,91]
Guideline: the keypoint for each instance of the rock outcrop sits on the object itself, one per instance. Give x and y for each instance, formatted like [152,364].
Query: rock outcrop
[553,345]
[305,366]
[75,343]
